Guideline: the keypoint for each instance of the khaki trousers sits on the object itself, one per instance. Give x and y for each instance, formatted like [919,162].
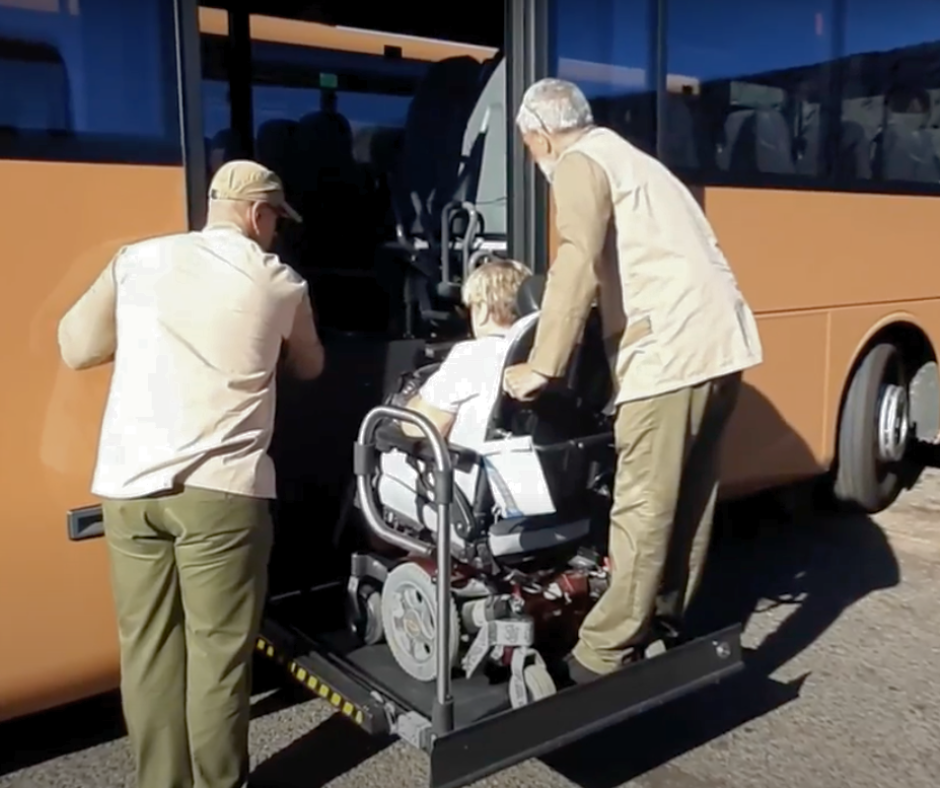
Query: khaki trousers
[666,484]
[189,576]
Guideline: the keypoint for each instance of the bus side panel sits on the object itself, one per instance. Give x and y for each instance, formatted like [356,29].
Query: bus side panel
[812,254]
[777,433]
[818,250]
[63,223]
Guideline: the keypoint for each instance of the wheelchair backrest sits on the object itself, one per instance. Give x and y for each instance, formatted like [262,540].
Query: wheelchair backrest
[569,408]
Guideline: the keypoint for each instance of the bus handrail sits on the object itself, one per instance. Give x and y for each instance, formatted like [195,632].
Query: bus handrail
[442,717]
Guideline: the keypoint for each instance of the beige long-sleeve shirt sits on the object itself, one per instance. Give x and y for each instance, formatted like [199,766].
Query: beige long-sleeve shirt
[583,218]
[631,236]
[195,324]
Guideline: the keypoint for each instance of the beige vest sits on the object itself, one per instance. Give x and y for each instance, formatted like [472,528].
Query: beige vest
[686,320]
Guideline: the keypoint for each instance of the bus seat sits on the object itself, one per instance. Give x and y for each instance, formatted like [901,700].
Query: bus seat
[385,148]
[681,149]
[427,174]
[933,133]
[773,143]
[808,142]
[854,153]
[729,153]
[906,154]
[323,137]
[274,148]
[757,141]
[331,189]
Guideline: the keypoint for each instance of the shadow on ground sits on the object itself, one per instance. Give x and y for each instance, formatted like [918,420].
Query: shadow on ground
[79,726]
[765,555]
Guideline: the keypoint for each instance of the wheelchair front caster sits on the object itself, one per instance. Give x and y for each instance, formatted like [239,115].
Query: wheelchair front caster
[529,680]
[364,613]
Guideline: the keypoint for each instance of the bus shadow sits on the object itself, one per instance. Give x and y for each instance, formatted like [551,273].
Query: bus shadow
[329,751]
[63,731]
[771,551]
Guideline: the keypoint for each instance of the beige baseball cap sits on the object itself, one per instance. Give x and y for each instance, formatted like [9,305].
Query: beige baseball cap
[249,181]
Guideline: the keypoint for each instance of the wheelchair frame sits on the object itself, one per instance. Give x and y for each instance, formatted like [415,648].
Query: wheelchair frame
[463,748]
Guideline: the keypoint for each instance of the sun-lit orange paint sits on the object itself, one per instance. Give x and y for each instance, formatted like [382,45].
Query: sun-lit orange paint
[823,272]
[315,34]
[58,638]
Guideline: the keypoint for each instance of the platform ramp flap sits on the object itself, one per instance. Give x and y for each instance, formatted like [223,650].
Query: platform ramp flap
[503,740]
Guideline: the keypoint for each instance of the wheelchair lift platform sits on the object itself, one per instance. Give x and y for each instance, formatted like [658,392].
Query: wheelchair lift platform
[307,635]
[470,727]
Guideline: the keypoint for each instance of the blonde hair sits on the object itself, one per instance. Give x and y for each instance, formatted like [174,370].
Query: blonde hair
[494,284]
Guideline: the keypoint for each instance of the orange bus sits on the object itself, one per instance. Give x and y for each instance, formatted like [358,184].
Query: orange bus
[809,130]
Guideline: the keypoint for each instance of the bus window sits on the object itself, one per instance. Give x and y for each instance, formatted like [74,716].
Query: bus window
[817,93]
[751,127]
[335,114]
[603,47]
[75,87]
[890,92]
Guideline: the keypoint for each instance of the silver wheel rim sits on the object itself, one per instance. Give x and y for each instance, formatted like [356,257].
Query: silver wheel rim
[894,425]
[409,618]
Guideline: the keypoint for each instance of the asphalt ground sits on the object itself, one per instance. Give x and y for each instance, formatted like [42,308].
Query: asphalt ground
[842,686]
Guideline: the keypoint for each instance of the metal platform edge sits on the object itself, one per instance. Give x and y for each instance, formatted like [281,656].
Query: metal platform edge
[496,743]
[321,677]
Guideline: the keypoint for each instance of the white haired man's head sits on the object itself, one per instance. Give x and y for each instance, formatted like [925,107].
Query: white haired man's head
[552,114]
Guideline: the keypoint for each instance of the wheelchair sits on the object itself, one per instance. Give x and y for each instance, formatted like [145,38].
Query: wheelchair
[526,498]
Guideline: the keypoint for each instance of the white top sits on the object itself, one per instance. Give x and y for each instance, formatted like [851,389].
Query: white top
[196,323]
[467,384]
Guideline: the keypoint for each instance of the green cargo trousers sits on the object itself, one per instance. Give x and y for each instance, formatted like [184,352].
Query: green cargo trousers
[189,577]
[665,488]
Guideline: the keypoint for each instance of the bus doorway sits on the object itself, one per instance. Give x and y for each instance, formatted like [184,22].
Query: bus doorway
[378,128]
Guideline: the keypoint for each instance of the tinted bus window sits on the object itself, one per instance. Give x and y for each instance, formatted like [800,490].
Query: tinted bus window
[889,91]
[89,80]
[291,82]
[603,46]
[818,93]
[761,72]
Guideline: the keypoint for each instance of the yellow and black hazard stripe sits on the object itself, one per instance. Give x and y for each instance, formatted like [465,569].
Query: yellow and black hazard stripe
[316,685]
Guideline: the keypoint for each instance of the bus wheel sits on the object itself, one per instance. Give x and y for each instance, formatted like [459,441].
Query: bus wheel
[874,433]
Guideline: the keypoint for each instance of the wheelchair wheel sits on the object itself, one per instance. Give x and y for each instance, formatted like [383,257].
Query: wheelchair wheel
[538,683]
[409,618]
[364,614]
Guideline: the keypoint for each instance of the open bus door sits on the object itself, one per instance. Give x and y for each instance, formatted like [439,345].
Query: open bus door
[400,154]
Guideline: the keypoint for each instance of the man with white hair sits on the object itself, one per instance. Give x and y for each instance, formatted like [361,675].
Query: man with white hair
[678,333]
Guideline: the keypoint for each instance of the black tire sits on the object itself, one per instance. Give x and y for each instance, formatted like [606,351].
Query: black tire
[862,480]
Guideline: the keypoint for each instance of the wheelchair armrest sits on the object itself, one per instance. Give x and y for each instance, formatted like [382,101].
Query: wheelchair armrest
[390,436]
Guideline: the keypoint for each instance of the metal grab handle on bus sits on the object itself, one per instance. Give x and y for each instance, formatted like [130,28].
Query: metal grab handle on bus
[447,215]
[442,717]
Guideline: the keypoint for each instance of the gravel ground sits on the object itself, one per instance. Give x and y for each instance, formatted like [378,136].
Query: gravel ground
[843,687]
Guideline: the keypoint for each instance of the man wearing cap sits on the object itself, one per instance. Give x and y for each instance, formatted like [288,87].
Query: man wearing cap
[195,324]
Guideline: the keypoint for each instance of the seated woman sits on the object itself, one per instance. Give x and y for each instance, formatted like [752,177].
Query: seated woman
[459,390]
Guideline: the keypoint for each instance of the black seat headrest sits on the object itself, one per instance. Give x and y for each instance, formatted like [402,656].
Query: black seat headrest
[529,297]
